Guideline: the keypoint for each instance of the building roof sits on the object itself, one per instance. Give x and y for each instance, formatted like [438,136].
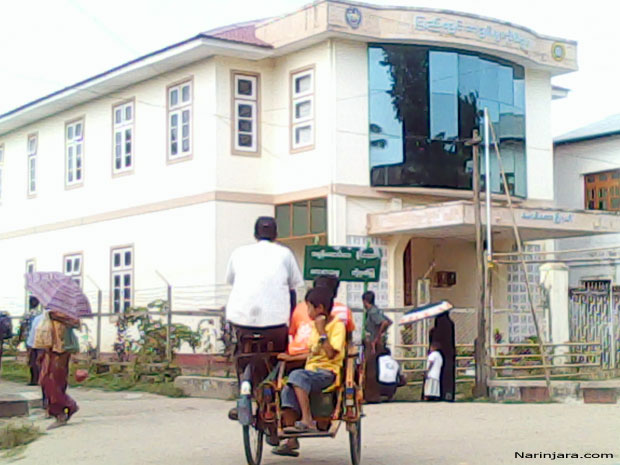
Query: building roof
[606,127]
[272,37]
[239,32]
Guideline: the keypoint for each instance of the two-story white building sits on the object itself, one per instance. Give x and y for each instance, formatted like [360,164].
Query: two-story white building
[346,121]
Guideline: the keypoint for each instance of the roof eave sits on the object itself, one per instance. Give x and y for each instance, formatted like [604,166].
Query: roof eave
[167,59]
[574,140]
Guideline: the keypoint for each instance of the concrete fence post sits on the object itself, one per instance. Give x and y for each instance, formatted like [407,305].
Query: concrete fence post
[554,278]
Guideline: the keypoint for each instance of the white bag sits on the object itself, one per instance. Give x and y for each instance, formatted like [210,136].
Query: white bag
[387,370]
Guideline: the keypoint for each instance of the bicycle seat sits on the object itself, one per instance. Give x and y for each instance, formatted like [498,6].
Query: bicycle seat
[256,343]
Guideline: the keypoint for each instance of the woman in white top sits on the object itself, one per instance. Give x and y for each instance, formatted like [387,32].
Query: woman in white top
[432,386]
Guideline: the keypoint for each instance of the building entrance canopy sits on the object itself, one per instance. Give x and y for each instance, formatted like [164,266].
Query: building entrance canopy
[455,220]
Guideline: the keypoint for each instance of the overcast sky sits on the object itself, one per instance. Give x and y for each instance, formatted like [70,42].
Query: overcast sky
[48,44]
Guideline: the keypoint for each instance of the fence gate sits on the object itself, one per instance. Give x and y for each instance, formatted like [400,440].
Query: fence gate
[594,317]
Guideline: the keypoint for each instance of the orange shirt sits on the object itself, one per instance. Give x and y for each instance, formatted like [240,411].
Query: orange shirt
[301,326]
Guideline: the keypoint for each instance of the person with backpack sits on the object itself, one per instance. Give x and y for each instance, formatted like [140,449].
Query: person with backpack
[375,327]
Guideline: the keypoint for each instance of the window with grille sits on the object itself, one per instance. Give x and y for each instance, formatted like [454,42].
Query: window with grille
[123,137]
[72,266]
[180,121]
[246,107]
[302,110]
[122,278]
[74,153]
[306,218]
[602,190]
[32,164]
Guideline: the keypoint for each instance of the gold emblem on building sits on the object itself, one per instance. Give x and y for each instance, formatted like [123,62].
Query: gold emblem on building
[558,51]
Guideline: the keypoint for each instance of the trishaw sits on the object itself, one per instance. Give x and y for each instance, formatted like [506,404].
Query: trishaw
[330,409]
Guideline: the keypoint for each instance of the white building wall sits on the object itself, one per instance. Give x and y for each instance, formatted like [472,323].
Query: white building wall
[153,180]
[538,139]
[350,152]
[233,227]
[573,161]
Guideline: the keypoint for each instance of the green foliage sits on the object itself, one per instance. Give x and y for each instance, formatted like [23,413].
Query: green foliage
[150,347]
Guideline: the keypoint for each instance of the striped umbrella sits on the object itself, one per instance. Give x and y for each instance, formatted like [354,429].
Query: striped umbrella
[58,292]
[426,311]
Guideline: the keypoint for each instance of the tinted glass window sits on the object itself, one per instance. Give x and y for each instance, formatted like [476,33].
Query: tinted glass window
[425,103]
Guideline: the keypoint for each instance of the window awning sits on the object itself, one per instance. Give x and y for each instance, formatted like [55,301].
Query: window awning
[456,220]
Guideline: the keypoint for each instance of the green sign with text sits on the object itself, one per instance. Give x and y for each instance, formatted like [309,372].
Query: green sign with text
[346,263]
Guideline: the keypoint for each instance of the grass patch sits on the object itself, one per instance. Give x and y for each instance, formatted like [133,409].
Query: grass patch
[14,371]
[19,373]
[115,383]
[14,435]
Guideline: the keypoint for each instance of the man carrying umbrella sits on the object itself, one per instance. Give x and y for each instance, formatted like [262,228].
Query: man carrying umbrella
[65,304]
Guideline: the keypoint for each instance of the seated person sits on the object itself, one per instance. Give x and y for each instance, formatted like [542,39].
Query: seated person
[323,365]
[301,323]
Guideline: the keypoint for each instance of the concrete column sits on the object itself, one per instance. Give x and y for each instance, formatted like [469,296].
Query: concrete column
[396,248]
[337,230]
[554,278]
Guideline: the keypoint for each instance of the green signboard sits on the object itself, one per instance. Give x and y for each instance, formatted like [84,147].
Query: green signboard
[347,263]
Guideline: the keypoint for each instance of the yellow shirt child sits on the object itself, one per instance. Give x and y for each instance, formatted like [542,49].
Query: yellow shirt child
[318,359]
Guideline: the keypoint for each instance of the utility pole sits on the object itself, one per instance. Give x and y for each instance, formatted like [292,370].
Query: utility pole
[480,388]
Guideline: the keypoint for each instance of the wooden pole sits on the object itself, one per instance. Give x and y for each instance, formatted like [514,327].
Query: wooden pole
[522,261]
[169,326]
[480,388]
[99,305]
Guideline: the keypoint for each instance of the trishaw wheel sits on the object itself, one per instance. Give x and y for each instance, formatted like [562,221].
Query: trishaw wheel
[253,444]
[355,442]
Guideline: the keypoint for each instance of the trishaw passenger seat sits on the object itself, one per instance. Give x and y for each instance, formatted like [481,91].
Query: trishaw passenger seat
[322,404]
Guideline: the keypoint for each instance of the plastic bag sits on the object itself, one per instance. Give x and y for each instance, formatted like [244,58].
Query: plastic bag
[387,370]
[43,333]
[71,343]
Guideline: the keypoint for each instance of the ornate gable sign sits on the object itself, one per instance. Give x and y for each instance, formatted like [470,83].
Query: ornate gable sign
[455,30]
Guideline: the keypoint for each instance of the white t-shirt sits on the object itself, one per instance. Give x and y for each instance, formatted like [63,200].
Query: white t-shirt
[437,360]
[262,275]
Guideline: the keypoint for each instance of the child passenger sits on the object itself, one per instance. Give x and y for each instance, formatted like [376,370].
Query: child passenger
[324,360]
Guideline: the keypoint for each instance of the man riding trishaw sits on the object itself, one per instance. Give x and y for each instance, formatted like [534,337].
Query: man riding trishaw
[264,277]
[279,400]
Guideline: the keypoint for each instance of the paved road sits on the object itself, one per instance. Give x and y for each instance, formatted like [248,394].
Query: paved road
[134,428]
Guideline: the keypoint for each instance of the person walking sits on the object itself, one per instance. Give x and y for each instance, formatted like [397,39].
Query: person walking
[55,367]
[264,277]
[34,355]
[375,327]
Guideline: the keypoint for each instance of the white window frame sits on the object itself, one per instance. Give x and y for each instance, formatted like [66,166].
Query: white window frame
[176,110]
[1,169]
[32,147]
[253,101]
[73,265]
[121,271]
[122,127]
[74,153]
[307,121]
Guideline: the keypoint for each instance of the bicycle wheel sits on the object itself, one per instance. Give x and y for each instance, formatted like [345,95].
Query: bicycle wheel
[355,442]
[253,444]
